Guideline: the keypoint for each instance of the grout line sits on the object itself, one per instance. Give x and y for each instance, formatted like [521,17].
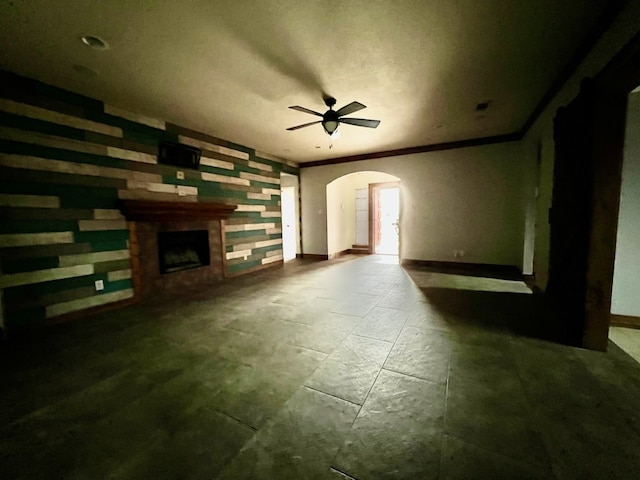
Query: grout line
[307,348]
[331,395]
[238,421]
[370,338]
[393,344]
[416,377]
[340,472]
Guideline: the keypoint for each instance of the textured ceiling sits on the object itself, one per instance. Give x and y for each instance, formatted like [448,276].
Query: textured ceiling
[231,68]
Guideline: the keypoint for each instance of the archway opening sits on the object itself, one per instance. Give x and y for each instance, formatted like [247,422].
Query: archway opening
[363,208]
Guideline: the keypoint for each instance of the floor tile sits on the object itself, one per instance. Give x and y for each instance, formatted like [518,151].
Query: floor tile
[382,324]
[423,354]
[349,372]
[299,443]
[212,384]
[397,434]
[487,424]
[463,461]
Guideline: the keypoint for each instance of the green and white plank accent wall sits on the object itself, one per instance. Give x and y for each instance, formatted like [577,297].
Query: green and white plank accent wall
[66,160]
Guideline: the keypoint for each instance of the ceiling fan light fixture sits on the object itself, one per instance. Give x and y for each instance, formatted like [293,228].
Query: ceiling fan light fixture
[330,126]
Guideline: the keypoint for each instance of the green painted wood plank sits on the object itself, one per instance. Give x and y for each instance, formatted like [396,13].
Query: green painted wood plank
[10,265]
[237,265]
[36,290]
[71,196]
[246,234]
[34,125]
[37,226]
[230,242]
[51,214]
[38,176]
[38,251]
[112,266]
[114,286]
[27,149]
[67,295]
[267,249]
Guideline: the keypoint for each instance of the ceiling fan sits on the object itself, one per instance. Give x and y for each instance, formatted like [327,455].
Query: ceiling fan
[332,119]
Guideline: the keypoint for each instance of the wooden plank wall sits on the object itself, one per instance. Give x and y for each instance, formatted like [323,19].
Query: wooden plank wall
[65,161]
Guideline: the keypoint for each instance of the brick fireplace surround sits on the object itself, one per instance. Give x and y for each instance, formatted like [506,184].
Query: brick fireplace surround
[147,218]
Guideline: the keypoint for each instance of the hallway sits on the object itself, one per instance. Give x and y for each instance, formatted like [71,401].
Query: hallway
[355,368]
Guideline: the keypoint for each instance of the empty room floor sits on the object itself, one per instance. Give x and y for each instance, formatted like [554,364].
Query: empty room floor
[350,369]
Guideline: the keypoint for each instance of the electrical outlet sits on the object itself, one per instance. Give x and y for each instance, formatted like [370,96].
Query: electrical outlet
[180,175]
[99,285]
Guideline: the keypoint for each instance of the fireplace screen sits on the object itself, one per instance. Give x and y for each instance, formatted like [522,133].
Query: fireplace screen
[183,250]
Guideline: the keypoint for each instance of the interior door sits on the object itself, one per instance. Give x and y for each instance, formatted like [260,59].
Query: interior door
[288,206]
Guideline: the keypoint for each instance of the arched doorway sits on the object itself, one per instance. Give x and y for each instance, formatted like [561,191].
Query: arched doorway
[362,208]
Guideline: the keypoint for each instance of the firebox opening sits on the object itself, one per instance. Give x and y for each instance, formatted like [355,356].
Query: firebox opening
[183,250]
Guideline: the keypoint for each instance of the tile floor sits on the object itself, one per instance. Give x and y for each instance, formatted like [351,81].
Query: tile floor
[628,339]
[351,369]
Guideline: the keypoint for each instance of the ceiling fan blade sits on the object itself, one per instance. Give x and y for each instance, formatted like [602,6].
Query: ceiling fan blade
[304,125]
[361,122]
[352,107]
[305,110]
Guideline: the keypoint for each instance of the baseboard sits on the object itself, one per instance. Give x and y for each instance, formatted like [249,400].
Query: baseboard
[358,251]
[71,316]
[627,321]
[314,256]
[506,272]
[339,254]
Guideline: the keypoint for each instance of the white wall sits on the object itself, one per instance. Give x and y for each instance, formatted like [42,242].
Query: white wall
[341,207]
[541,133]
[625,299]
[467,199]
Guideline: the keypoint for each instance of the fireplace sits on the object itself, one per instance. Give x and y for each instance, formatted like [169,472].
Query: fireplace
[179,251]
[175,245]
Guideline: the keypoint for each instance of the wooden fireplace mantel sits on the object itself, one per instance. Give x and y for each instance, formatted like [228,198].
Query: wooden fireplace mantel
[155,211]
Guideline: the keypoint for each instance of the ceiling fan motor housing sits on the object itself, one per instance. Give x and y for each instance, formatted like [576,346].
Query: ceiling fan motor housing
[330,121]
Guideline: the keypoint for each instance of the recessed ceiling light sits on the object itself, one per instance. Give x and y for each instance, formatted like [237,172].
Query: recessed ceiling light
[95,42]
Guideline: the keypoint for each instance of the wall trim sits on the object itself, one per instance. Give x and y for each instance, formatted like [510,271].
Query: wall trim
[605,20]
[339,254]
[627,321]
[505,272]
[87,312]
[314,256]
[472,142]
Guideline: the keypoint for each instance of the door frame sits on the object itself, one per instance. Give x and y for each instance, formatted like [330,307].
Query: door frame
[372,188]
